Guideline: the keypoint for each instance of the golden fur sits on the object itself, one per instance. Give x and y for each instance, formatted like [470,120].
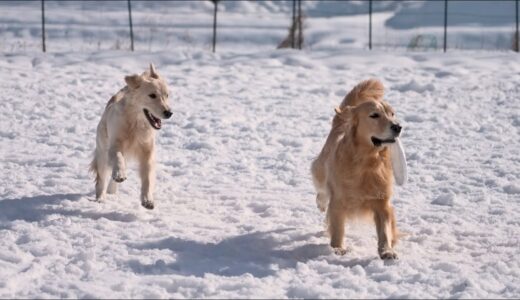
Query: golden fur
[125,132]
[352,175]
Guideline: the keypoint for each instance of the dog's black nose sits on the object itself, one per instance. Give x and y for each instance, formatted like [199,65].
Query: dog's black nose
[167,114]
[396,128]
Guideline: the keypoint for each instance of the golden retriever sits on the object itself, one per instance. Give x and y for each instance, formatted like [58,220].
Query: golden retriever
[353,173]
[127,130]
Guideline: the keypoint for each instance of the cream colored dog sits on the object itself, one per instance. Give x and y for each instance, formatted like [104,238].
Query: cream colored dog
[127,130]
[353,173]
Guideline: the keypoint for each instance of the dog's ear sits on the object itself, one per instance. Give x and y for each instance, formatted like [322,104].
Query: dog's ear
[347,115]
[353,121]
[133,81]
[153,72]
[344,114]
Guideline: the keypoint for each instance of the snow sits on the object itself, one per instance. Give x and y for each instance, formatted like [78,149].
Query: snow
[447,199]
[415,87]
[236,214]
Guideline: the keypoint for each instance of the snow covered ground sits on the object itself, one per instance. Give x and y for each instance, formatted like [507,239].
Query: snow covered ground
[235,214]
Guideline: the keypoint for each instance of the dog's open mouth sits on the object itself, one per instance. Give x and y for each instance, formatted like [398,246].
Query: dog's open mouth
[378,142]
[154,121]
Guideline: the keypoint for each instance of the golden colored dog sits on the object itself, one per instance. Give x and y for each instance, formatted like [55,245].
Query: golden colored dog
[353,173]
[127,130]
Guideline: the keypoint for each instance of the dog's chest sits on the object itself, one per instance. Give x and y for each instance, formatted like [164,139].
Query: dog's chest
[139,137]
[375,185]
[366,184]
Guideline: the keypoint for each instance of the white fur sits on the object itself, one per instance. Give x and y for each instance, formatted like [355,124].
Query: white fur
[125,132]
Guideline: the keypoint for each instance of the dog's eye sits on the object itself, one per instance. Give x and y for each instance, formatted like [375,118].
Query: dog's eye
[153,96]
[374,115]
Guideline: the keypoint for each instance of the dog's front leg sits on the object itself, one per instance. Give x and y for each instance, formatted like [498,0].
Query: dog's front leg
[336,227]
[147,172]
[385,226]
[118,164]
[322,200]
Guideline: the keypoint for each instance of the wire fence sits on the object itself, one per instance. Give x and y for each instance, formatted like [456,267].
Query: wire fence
[249,26]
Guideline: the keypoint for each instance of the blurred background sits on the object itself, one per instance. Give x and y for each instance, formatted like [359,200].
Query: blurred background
[249,26]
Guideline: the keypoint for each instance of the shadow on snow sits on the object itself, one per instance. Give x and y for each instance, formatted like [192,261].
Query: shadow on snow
[38,208]
[259,254]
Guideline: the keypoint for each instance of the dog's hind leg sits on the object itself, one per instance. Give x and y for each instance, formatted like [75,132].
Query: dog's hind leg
[318,179]
[102,177]
[112,187]
[147,172]
[385,226]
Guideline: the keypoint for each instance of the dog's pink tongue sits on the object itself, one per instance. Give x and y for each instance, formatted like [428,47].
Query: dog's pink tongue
[158,123]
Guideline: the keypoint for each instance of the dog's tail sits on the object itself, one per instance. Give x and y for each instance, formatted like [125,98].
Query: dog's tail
[93,168]
[371,89]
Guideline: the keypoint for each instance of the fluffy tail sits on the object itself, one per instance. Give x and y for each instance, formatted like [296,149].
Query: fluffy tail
[371,89]
[93,168]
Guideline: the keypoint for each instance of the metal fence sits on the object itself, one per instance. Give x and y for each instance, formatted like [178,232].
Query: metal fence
[159,25]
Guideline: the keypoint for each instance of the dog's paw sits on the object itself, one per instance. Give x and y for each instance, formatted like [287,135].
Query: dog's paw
[388,254]
[147,204]
[119,176]
[339,251]
[100,197]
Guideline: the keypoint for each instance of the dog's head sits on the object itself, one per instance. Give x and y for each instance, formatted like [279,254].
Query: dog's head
[371,123]
[151,94]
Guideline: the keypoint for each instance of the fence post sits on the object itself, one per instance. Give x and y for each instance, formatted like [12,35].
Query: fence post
[131,25]
[517,45]
[370,24]
[300,33]
[215,25]
[43,26]
[293,25]
[445,23]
